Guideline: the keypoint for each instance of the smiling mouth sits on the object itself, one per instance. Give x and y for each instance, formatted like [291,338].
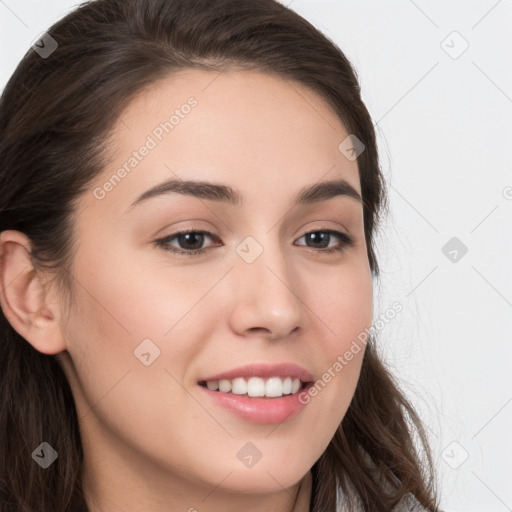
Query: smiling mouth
[271,387]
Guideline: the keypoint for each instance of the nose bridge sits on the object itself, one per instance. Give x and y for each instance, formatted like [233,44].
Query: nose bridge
[267,288]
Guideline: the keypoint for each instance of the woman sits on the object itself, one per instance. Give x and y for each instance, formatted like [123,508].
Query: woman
[189,196]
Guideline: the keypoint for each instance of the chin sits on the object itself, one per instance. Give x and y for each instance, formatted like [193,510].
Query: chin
[264,480]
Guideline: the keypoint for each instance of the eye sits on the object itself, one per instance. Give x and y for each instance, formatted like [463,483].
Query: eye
[191,242]
[323,237]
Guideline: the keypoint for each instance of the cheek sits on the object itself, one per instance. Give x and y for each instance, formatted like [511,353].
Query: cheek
[122,302]
[128,299]
[345,306]
[113,312]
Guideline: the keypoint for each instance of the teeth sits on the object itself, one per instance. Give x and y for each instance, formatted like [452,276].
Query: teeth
[213,385]
[256,386]
[287,386]
[274,387]
[224,386]
[239,386]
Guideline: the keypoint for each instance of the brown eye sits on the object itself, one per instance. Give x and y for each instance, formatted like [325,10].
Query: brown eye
[321,239]
[189,242]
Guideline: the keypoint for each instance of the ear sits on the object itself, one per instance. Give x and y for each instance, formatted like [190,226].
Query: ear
[27,307]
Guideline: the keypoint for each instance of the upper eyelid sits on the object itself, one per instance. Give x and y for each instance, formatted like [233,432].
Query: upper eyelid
[215,237]
[197,229]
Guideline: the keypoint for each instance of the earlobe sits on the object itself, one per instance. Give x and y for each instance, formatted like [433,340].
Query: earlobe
[23,300]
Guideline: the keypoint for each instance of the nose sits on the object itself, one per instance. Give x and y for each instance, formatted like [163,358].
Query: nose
[266,296]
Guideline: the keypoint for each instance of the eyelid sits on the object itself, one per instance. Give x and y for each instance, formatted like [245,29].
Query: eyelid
[164,240]
[344,237]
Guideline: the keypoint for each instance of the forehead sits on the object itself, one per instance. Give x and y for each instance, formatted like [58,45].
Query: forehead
[261,133]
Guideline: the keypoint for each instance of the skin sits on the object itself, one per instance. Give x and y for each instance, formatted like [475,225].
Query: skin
[152,440]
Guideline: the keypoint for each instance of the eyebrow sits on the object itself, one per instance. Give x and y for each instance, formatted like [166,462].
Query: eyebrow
[321,191]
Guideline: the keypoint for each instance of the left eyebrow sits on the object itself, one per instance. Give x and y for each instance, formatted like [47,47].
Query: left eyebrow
[321,191]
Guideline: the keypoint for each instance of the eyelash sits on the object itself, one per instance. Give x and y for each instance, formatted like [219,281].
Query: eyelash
[345,240]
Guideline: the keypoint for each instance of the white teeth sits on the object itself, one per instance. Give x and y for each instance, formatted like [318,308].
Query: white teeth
[287,386]
[213,385]
[274,387]
[239,386]
[256,386]
[224,386]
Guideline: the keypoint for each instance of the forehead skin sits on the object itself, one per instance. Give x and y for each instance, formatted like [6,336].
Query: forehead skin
[264,135]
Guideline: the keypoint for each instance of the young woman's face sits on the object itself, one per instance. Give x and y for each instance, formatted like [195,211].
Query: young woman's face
[250,294]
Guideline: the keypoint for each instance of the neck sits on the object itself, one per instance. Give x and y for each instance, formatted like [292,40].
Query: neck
[117,494]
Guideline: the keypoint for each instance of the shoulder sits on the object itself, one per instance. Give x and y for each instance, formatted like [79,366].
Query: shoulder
[409,504]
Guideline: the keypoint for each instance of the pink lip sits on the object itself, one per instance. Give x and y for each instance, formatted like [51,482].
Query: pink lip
[260,409]
[263,370]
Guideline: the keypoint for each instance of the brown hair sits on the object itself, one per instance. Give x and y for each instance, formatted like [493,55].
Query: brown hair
[56,113]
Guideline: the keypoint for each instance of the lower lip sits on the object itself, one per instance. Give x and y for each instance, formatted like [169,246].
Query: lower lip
[259,409]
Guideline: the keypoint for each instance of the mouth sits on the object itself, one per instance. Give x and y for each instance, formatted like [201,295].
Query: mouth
[257,386]
[260,392]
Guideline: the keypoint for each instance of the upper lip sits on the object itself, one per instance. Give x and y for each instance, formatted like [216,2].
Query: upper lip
[291,370]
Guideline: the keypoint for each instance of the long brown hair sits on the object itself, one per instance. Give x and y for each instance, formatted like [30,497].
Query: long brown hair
[55,114]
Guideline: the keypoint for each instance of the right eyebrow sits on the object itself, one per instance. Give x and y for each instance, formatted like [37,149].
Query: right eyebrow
[224,193]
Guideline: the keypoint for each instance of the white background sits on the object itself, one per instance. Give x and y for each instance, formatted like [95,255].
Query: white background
[445,137]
